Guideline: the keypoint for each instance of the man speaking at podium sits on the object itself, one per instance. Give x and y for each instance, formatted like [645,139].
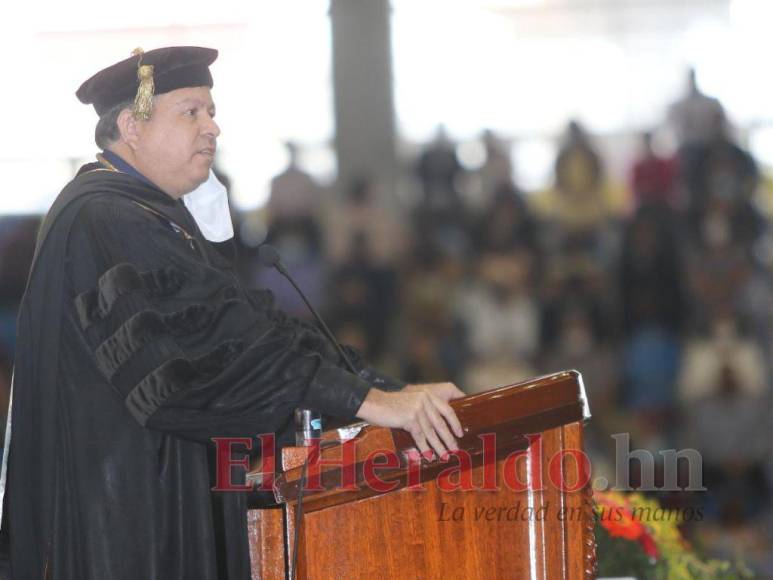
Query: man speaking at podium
[138,345]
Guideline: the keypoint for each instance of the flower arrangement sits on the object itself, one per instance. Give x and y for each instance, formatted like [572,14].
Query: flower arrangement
[636,537]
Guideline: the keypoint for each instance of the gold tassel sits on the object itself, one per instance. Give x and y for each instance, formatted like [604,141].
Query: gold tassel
[143,102]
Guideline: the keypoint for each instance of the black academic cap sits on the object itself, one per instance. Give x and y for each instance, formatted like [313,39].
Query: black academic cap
[174,67]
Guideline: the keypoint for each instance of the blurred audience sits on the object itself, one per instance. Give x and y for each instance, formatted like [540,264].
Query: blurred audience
[363,215]
[579,180]
[507,224]
[652,314]
[495,174]
[692,117]
[724,175]
[294,202]
[439,170]
[364,295]
[501,315]
[729,423]
[582,210]
[719,269]
[294,229]
[722,353]
[654,178]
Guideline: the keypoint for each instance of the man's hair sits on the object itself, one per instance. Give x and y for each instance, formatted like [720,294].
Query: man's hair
[107,131]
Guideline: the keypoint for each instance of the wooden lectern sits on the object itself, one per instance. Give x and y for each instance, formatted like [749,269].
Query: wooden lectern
[515,502]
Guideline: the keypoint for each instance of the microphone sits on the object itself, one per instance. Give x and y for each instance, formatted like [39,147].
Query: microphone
[308,423]
[269,257]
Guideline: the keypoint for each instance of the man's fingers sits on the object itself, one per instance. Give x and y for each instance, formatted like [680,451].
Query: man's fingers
[421,442]
[450,415]
[429,432]
[440,425]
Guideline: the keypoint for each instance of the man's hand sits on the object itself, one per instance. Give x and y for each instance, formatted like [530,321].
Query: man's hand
[422,410]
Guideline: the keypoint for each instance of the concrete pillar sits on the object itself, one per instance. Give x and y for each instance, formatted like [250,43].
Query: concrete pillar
[363,96]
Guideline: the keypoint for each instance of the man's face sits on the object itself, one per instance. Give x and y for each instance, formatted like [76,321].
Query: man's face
[176,147]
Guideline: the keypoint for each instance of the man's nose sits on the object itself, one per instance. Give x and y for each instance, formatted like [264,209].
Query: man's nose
[211,127]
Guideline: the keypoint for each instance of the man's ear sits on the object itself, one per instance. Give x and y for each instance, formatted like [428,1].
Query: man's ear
[128,127]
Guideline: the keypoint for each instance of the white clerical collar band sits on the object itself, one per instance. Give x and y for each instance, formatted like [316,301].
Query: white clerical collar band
[208,204]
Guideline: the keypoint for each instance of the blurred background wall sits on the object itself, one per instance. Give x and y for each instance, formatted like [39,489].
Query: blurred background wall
[478,191]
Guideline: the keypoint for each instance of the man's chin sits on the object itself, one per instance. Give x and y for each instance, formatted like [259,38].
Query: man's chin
[195,184]
[205,158]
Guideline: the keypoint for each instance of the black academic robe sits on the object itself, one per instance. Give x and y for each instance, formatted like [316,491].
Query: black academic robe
[137,346]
